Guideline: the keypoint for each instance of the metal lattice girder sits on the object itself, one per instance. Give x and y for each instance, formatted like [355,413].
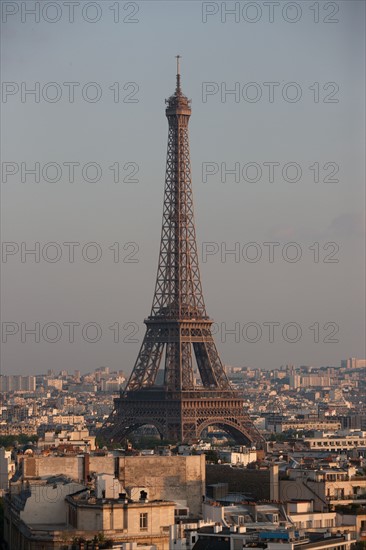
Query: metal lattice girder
[178,324]
[181,416]
[178,317]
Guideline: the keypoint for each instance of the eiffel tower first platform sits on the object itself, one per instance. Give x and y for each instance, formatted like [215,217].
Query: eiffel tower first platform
[178,329]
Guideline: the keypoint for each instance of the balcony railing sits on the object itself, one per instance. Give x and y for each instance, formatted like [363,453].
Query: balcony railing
[361,496]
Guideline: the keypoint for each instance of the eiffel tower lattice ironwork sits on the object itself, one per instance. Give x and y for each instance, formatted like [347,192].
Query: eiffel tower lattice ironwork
[178,324]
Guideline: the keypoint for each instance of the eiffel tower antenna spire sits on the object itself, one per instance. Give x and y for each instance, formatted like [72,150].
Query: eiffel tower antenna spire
[178,90]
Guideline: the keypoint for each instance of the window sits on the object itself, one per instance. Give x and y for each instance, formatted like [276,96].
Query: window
[143,522]
[98,524]
[72,517]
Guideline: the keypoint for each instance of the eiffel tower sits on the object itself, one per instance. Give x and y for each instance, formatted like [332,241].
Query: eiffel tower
[178,325]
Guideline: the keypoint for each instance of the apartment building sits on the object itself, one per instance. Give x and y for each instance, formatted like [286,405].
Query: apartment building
[326,487]
[54,513]
[354,440]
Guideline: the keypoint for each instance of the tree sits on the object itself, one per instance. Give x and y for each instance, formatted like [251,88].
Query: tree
[212,456]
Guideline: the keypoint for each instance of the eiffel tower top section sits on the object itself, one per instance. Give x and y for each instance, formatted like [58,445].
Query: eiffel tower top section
[178,292]
[178,103]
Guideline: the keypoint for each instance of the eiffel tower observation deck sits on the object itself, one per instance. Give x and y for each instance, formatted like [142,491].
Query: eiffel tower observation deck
[178,330]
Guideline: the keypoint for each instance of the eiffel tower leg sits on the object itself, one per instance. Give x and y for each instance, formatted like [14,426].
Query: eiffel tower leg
[172,359]
[187,372]
[147,363]
[209,364]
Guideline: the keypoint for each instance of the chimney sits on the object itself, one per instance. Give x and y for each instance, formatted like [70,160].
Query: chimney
[273,480]
[86,466]
[143,496]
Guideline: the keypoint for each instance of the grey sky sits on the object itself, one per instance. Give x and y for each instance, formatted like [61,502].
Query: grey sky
[305,132]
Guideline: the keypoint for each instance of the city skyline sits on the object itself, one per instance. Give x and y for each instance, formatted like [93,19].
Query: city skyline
[183,305]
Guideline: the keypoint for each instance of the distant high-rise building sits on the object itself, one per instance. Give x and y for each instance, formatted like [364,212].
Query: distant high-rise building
[17,383]
[56,383]
[353,363]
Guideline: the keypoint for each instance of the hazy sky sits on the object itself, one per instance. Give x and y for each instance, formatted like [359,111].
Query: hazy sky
[306,129]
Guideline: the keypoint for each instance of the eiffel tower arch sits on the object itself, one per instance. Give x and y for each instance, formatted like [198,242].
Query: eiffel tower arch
[178,329]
